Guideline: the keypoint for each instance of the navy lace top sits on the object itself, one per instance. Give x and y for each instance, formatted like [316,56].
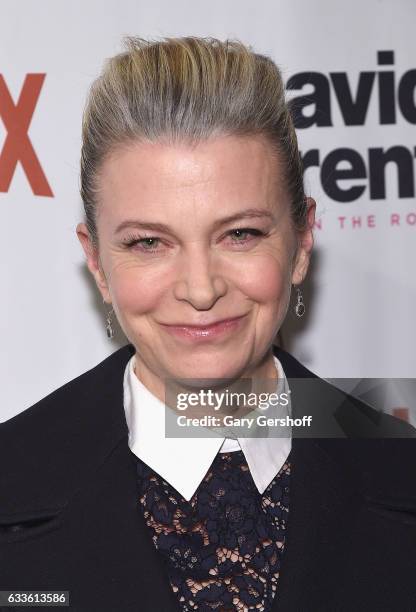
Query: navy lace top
[223,547]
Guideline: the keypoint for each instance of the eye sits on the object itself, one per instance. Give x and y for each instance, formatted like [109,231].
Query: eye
[238,234]
[146,244]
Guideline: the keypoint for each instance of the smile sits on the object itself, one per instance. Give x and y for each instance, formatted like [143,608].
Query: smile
[193,332]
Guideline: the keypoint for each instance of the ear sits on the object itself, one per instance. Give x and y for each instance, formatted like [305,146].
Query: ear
[93,261]
[305,244]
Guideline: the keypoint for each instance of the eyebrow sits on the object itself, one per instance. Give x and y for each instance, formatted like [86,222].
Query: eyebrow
[249,213]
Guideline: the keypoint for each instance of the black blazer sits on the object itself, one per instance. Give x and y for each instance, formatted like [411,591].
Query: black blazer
[70,519]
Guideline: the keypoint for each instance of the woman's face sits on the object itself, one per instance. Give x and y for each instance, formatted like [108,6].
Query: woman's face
[168,255]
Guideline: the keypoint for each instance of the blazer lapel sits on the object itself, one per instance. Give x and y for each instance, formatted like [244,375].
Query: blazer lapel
[134,567]
[322,502]
[323,498]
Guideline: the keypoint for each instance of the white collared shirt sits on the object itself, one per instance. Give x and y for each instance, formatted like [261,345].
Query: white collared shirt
[183,462]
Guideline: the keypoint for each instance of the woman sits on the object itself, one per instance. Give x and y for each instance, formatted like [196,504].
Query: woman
[197,228]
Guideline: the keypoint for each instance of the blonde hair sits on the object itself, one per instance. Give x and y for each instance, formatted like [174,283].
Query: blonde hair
[186,89]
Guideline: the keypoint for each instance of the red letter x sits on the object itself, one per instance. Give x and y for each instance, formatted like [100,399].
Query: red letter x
[17,146]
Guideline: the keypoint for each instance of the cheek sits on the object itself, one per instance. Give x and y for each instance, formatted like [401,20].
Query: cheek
[135,291]
[267,280]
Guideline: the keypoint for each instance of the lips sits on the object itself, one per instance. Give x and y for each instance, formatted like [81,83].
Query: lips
[195,333]
[203,326]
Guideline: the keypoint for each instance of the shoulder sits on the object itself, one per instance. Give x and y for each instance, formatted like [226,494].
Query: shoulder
[334,408]
[54,444]
[376,450]
[101,378]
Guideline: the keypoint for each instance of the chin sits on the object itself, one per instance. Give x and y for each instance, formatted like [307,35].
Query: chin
[209,369]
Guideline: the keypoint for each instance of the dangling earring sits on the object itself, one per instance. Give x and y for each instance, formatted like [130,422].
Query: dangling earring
[109,327]
[300,306]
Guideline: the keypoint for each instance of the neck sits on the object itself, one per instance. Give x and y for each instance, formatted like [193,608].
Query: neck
[259,378]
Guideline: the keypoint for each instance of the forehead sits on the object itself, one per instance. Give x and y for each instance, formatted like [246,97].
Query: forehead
[223,172]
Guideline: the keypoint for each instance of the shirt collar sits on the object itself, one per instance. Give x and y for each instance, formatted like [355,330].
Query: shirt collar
[183,462]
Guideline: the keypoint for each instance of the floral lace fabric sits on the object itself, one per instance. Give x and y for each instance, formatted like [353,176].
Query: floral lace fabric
[223,548]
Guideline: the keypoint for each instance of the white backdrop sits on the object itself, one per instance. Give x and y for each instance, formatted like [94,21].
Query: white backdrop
[361,289]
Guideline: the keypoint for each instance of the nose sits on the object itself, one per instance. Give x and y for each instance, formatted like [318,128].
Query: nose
[199,280]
